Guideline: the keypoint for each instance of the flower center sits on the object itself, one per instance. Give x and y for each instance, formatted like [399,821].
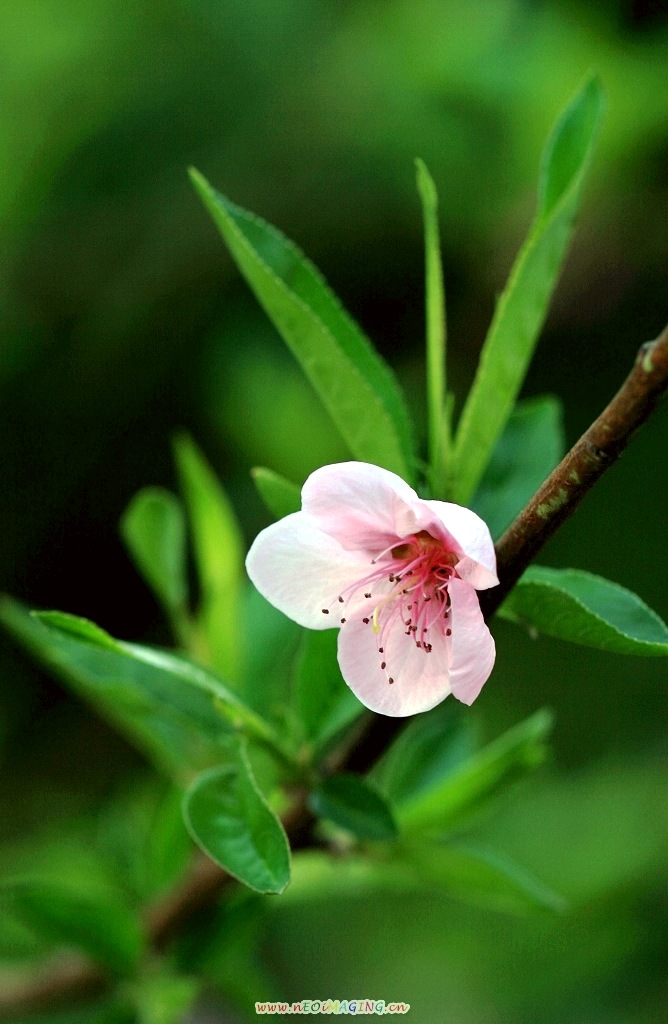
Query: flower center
[409,588]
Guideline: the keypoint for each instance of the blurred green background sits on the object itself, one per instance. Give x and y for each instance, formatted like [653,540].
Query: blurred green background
[123,320]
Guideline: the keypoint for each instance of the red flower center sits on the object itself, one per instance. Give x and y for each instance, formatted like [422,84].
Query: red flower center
[409,581]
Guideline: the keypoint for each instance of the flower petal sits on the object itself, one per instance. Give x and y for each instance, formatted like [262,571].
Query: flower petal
[472,652]
[362,506]
[301,570]
[420,679]
[471,533]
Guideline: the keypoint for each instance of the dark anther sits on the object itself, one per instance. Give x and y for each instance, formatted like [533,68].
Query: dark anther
[380,650]
[383,664]
[365,621]
[325,611]
[448,632]
[340,599]
[367,595]
[342,621]
[390,680]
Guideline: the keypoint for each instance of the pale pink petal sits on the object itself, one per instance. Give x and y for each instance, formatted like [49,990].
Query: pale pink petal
[301,570]
[420,679]
[363,506]
[473,539]
[472,652]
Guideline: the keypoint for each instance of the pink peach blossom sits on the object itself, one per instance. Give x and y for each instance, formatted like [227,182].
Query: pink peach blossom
[397,574]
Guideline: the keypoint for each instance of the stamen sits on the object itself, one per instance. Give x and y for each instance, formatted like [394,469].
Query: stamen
[408,580]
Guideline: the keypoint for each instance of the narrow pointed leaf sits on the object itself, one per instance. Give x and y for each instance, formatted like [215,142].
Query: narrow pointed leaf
[478,780]
[430,748]
[268,661]
[526,453]
[96,923]
[324,704]
[354,805]
[180,715]
[469,874]
[231,821]
[73,626]
[154,530]
[438,426]
[483,878]
[522,307]
[219,552]
[354,384]
[575,605]
[280,496]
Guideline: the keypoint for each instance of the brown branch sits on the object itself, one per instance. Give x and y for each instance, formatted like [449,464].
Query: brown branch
[554,502]
[597,450]
[65,980]
[68,979]
[60,982]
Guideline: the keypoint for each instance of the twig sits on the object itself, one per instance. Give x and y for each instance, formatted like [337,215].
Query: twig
[554,502]
[597,450]
[60,982]
[66,980]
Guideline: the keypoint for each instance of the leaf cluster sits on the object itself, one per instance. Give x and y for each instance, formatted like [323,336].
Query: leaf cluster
[247,717]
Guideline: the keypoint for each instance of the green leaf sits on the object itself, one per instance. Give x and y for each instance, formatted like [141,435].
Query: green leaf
[529,448]
[320,876]
[268,663]
[231,821]
[574,605]
[78,628]
[279,495]
[219,552]
[98,923]
[356,387]
[429,749]
[325,705]
[438,424]
[484,878]
[141,836]
[474,875]
[479,779]
[176,712]
[351,803]
[154,530]
[165,998]
[521,309]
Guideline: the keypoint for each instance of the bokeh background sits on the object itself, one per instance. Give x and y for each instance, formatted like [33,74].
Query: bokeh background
[123,320]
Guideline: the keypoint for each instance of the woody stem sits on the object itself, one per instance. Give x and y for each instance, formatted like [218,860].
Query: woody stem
[600,446]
